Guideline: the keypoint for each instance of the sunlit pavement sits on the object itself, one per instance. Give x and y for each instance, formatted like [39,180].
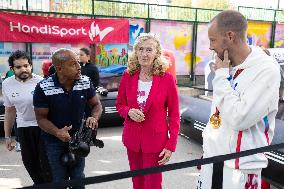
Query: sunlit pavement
[110,159]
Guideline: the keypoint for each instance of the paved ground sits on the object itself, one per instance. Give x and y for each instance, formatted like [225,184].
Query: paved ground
[112,158]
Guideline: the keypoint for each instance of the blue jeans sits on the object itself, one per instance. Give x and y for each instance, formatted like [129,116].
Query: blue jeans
[60,172]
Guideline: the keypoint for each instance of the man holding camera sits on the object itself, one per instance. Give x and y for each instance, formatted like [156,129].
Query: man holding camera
[60,102]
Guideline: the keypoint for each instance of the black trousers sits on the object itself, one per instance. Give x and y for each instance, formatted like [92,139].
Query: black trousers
[217,176]
[33,154]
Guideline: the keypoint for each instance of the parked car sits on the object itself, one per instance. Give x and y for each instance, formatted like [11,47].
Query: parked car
[195,115]
[110,116]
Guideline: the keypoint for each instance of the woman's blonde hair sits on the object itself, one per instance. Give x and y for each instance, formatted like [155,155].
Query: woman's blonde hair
[160,64]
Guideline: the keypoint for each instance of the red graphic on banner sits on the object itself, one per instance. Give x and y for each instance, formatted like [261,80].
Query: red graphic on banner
[25,28]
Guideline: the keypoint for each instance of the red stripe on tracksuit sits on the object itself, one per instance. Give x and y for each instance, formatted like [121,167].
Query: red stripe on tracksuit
[238,149]
[267,137]
[240,134]
[266,125]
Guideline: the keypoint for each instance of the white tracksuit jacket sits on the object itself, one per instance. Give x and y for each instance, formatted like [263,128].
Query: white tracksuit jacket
[248,105]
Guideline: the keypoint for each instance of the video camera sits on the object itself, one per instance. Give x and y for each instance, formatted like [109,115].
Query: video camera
[81,141]
[79,145]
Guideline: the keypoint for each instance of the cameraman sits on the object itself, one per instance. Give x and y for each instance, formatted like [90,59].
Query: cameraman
[59,102]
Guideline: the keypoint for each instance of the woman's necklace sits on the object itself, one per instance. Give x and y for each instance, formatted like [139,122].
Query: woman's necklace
[145,77]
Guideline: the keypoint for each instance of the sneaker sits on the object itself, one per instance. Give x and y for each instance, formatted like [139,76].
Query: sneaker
[18,147]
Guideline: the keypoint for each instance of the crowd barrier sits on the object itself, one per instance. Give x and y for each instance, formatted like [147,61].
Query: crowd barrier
[169,167]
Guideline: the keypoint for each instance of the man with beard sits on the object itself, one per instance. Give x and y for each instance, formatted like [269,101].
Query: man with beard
[244,105]
[18,101]
[60,102]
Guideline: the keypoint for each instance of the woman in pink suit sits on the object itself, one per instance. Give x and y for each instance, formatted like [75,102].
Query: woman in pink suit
[145,94]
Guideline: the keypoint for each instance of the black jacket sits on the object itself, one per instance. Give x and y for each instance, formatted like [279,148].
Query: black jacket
[92,72]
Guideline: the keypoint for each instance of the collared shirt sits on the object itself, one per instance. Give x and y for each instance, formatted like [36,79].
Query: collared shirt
[65,108]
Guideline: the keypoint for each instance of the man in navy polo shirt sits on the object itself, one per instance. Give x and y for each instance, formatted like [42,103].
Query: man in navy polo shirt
[59,103]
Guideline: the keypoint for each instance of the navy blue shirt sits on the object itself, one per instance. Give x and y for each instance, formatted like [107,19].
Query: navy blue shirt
[65,107]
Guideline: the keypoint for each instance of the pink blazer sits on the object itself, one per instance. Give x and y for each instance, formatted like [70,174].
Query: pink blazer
[156,132]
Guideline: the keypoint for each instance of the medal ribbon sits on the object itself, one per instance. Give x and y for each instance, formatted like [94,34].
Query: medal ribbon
[238,72]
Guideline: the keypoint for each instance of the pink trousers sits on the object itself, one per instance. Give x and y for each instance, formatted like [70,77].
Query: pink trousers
[139,160]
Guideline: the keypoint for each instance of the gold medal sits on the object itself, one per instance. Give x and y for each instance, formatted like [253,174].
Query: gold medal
[215,121]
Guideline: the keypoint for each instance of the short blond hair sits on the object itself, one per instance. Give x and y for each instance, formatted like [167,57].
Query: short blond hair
[160,64]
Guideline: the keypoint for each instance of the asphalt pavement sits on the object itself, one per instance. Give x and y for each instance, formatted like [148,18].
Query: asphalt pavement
[110,159]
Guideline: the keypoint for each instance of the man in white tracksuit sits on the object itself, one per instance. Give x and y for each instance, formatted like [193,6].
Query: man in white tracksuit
[244,106]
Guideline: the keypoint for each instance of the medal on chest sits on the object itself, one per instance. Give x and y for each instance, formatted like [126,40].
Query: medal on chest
[215,120]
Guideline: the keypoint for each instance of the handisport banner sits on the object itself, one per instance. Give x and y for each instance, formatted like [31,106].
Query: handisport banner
[25,28]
